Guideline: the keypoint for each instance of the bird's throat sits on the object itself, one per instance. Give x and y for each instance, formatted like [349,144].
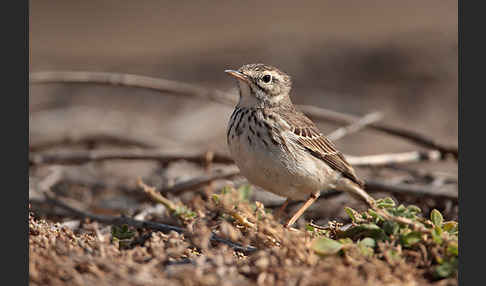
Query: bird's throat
[247,97]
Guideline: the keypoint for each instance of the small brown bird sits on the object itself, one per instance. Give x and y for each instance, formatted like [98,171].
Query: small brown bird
[278,148]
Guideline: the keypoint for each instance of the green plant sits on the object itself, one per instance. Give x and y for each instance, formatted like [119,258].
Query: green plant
[398,226]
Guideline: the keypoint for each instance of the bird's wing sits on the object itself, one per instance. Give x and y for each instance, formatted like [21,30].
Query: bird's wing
[313,141]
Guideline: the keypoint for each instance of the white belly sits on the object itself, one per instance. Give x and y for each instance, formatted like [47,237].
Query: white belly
[294,175]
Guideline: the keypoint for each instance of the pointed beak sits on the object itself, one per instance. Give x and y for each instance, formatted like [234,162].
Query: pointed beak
[238,75]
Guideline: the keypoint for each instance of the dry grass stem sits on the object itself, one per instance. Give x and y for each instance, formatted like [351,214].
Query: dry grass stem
[156,196]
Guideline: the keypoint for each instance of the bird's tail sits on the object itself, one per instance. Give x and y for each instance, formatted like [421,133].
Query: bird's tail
[356,190]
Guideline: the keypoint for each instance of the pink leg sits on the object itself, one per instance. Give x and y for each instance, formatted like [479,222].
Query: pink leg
[281,210]
[312,198]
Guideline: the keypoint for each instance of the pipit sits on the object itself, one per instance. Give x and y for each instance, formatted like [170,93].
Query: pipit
[278,148]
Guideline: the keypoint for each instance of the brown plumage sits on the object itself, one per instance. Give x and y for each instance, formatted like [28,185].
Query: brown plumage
[312,140]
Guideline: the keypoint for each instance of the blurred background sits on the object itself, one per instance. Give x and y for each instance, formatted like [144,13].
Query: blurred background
[397,57]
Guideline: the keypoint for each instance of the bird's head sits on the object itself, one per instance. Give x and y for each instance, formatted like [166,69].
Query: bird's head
[262,85]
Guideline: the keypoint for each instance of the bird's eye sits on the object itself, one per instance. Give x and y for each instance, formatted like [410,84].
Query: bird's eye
[267,78]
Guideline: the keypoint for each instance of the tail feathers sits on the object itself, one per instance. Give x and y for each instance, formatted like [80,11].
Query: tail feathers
[354,189]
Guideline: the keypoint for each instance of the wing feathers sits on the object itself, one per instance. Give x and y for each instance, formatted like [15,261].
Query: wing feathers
[310,138]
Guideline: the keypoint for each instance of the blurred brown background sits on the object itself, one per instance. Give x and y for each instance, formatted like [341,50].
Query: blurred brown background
[399,57]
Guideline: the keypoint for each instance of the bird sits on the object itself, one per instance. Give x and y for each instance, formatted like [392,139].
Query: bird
[280,149]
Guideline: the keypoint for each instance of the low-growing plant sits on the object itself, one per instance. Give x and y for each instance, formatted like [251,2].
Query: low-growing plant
[403,227]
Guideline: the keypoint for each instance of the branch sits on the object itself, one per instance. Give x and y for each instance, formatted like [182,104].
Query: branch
[84,156]
[394,158]
[434,176]
[412,190]
[201,181]
[130,80]
[355,126]
[156,196]
[180,88]
[112,220]
[90,140]
[415,137]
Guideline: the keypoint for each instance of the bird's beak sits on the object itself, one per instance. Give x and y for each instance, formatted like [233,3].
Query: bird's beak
[238,75]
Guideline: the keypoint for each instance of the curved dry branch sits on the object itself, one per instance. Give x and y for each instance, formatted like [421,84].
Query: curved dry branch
[130,80]
[84,156]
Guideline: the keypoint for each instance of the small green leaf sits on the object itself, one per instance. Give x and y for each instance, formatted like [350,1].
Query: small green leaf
[401,208]
[215,198]
[374,215]
[411,238]
[368,242]
[436,218]
[345,240]
[365,250]
[364,230]
[121,232]
[452,249]
[309,227]
[393,255]
[414,209]
[437,234]
[450,226]
[390,227]
[385,203]
[326,246]
[446,269]
[366,246]
[351,213]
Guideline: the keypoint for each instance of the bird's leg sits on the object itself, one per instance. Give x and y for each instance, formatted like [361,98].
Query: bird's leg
[312,198]
[280,211]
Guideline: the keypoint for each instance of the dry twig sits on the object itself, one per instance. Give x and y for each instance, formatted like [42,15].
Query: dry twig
[355,126]
[201,181]
[394,158]
[412,190]
[91,140]
[129,80]
[413,136]
[84,156]
[155,196]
